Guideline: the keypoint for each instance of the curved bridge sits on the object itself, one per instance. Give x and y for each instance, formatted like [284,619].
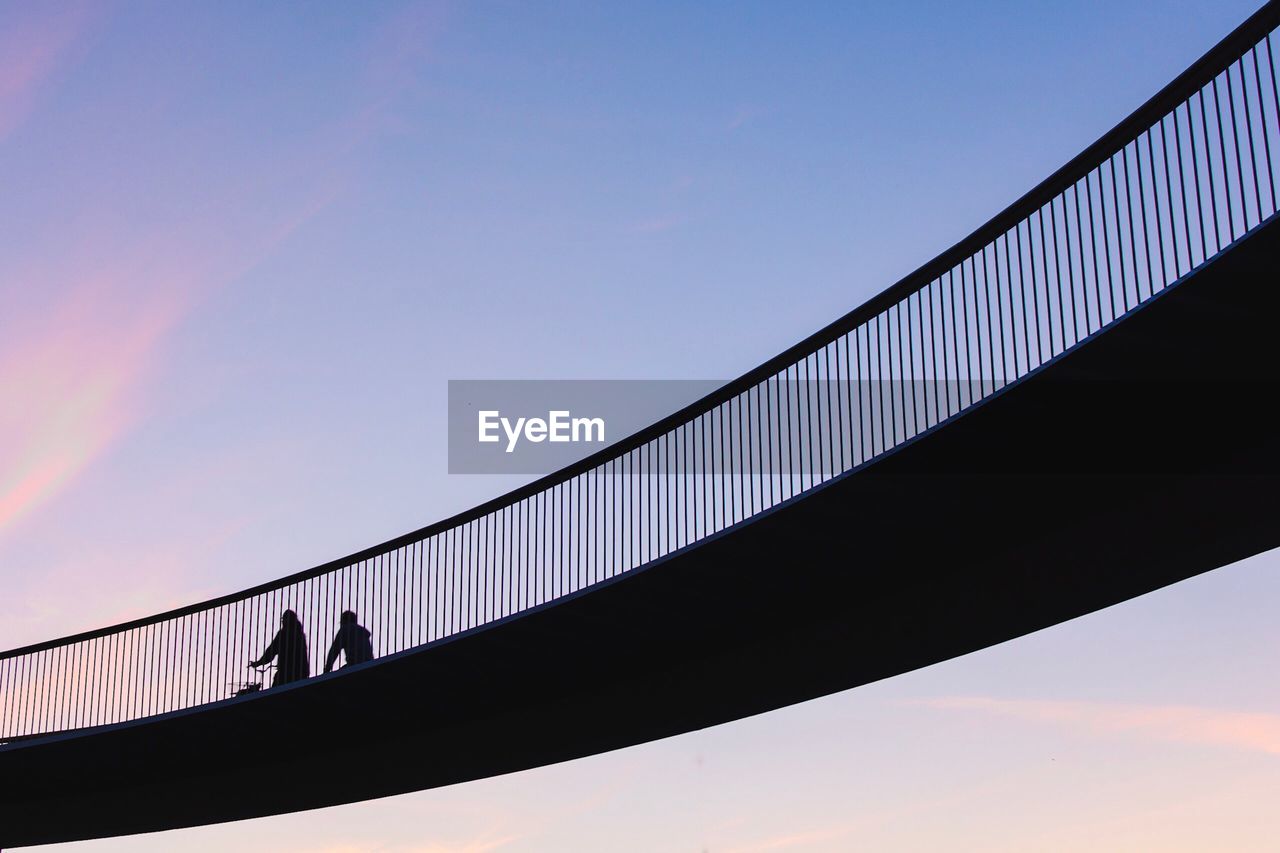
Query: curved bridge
[1070,407]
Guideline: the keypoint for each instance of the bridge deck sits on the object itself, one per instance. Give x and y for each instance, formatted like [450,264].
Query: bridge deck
[1143,457]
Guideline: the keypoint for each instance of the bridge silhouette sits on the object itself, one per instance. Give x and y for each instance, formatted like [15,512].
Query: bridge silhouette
[1070,407]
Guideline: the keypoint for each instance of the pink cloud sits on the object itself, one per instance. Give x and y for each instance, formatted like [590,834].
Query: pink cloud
[76,377]
[88,318]
[79,367]
[31,50]
[71,374]
[1253,731]
[823,839]
[153,578]
[482,844]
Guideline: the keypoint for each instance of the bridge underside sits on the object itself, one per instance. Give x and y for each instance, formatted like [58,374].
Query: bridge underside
[1145,457]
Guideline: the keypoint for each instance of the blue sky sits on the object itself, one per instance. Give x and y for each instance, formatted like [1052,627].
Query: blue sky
[243,248]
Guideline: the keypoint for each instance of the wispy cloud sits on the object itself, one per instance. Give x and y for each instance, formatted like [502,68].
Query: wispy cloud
[109,589]
[1253,731]
[742,116]
[482,817]
[480,844]
[78,366]
[656,225]
[821,838]
[72,374]
[402,43]
[31,49]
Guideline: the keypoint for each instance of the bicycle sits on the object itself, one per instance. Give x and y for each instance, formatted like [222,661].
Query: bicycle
[245,688]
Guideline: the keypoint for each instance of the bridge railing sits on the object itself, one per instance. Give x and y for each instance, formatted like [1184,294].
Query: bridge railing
[1167,190]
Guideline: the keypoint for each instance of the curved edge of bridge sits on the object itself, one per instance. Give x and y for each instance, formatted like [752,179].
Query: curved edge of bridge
[1128,464]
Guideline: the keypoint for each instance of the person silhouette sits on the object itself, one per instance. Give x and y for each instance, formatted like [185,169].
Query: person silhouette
[352,640]
[289,648]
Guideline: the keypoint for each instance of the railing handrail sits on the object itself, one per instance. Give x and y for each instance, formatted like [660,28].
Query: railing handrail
[1200,73]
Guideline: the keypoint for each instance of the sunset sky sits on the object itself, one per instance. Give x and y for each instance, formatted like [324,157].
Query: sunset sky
[243,248]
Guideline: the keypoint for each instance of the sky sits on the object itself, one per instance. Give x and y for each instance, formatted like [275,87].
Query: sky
[244,247]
